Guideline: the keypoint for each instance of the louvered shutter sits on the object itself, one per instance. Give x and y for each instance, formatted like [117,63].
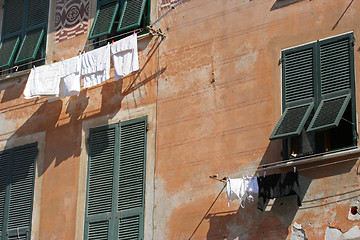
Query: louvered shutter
[131,14]
[30,45]
[104,19]
[132,179]
[116,180]
[12,28]
[21,191]
[335,74]
[37,14]
[298,85]
[35,30]
[13,21]
[102,149]
[4,176]
[7,50]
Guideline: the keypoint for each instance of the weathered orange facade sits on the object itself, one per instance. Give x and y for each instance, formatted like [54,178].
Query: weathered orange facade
[212,92]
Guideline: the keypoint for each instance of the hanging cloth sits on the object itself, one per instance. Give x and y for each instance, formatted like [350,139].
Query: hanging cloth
[241,188]
[95,66]
[278,185]
[43,81]
[70,80]
[125,56]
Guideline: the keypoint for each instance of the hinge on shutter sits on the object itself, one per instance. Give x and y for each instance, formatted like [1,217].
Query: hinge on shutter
[147,127]
[281,61]
[352,42]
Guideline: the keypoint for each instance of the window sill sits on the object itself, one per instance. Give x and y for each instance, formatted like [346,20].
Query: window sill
[10,76]
[296,161]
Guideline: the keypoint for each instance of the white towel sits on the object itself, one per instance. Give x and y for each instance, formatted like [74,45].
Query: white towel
[95,66]
[125,56]
[241,188]
[43,81]
[70,76]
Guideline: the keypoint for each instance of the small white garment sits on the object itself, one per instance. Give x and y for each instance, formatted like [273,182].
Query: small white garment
[241,188]
[95,66]
[70,76]
[125,56]
[43,81]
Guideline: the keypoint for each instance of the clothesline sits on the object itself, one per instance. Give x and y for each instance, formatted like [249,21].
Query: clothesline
[223,179]
[61,79]
[295,161]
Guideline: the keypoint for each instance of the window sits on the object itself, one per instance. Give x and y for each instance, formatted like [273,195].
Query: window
[114,17]
[116,181]
[23,33]
[318,97]
[17,173]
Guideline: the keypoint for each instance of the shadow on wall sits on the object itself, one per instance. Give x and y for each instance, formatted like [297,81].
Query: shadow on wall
[63,136]
[283,3]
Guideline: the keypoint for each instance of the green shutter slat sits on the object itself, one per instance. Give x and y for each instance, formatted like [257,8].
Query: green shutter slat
[12,19]
[299,75]
[30,45]
[4,169]
[129,228]
[101,165]
[98,230]
[132,164]
[329,113]
[335,66]
[104,20]
[22,187]
[18,237]
[292,121]
[37,13]
[131,14]
[7,51]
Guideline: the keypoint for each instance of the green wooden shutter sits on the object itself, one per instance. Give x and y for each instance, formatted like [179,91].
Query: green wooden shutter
[116,180]
[298,73]
[7,50]
[335,75]
[12,20]
[335,66]
[37,13]
[329,113]
[132,179]
[21,191]
[30,45]
[292,121]
[131,14]
[104,19]
[102,149]
[4,175]
[298,90]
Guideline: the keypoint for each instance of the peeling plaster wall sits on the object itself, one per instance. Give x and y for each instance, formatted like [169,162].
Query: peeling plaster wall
[213,91]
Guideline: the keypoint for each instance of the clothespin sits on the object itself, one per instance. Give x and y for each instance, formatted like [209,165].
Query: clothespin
[294,169]
[134,33]
[257,174]
[112,42]
[264,173]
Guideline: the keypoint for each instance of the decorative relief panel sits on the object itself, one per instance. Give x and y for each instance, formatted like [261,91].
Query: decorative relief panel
[71,19]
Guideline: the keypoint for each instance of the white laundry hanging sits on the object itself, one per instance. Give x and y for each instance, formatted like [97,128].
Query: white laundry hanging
[70,75]
[125,56]
[241,188]
[95,66]
[43,81]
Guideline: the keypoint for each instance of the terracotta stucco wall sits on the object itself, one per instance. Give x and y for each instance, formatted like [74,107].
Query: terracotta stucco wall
[213,88]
